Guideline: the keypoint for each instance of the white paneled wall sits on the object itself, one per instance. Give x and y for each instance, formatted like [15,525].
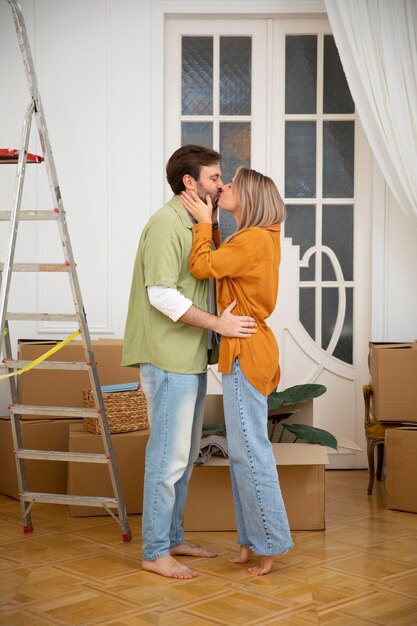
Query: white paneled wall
[401,278]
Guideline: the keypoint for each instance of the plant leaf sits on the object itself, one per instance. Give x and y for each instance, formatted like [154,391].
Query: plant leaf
[274,400]
[312,434]
[300,393]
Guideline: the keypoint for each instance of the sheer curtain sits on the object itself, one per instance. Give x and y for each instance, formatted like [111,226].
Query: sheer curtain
[377,43]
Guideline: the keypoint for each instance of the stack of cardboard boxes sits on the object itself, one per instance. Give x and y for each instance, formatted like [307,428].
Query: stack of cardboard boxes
[393,371]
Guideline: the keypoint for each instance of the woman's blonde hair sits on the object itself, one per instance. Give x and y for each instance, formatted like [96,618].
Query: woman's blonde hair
[260,201]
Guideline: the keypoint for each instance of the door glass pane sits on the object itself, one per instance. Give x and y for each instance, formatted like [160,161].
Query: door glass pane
[330,301]
[197,76]
[300,225]
[200,133]
[300,73]
[300,159]
[344,346]
[338,235]
[308,310]
[336,94]
[338,159]
[235,75]
[235,146]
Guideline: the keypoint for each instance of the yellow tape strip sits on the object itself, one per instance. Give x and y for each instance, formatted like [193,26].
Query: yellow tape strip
[43,357]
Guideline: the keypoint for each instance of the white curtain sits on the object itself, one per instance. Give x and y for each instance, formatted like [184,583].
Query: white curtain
[377,43]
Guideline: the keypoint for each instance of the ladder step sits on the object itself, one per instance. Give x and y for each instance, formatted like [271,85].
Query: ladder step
[42,317]
[50,455]
[38,267]
[14,364]
[55,411]
[6,216]
[56,498]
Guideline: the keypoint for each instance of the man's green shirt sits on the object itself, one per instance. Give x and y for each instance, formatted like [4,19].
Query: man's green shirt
[162,259]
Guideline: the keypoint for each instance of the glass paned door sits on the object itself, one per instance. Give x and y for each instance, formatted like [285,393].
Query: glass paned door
[319,188]
[220,75]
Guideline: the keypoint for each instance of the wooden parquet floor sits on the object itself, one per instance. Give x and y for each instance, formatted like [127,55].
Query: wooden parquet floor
[361,570]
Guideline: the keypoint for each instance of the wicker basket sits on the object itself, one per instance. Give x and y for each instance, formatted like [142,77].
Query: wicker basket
[126,411]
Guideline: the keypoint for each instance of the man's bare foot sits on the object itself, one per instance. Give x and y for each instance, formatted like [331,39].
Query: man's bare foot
[244,555]
[265,564]
[192,549]
[169,567]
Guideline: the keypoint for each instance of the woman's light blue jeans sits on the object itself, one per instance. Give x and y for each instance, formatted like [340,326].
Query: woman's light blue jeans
[261,518]
[175,412]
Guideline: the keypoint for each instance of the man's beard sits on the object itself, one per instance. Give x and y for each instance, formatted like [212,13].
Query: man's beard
[202,194]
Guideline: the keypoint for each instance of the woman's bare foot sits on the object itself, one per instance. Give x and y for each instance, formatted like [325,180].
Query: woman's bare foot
[169,567]
[265,564]
[192,549]
[244,555]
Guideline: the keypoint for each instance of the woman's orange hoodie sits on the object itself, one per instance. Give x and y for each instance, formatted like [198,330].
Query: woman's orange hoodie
[246,268]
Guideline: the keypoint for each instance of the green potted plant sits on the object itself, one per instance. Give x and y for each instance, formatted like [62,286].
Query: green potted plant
[282,405]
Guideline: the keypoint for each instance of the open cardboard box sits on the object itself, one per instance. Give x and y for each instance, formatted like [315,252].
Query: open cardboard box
[301,471]
[301,474]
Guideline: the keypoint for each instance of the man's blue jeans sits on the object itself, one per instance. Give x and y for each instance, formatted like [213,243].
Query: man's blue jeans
[261,518]
[175,412]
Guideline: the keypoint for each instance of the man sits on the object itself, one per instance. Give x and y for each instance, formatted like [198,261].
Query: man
[167,336]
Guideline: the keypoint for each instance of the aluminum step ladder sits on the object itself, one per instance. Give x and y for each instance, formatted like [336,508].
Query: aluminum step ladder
[22,158]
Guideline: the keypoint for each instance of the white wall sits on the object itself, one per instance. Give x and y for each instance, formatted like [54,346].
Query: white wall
[401,277]
[93,61]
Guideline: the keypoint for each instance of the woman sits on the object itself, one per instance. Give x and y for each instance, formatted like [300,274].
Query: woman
[246,267]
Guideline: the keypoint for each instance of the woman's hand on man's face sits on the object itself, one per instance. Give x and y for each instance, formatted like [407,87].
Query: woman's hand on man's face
[199,210]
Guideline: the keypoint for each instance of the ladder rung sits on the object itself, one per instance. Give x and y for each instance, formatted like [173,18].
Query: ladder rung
[6,216]
[50,455]
[38,267]
[15,364]
[58,411]
[56,498]
[42,317]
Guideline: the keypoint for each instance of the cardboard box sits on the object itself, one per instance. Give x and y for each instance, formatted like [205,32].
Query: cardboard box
[91,479]
[393,371]
[301,474]
[65,387]
[401,462]
[42,476]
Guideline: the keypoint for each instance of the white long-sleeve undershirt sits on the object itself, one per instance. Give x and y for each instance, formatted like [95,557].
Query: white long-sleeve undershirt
[169,301]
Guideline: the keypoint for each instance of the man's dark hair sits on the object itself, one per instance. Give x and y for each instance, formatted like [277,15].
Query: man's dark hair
[188,160]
